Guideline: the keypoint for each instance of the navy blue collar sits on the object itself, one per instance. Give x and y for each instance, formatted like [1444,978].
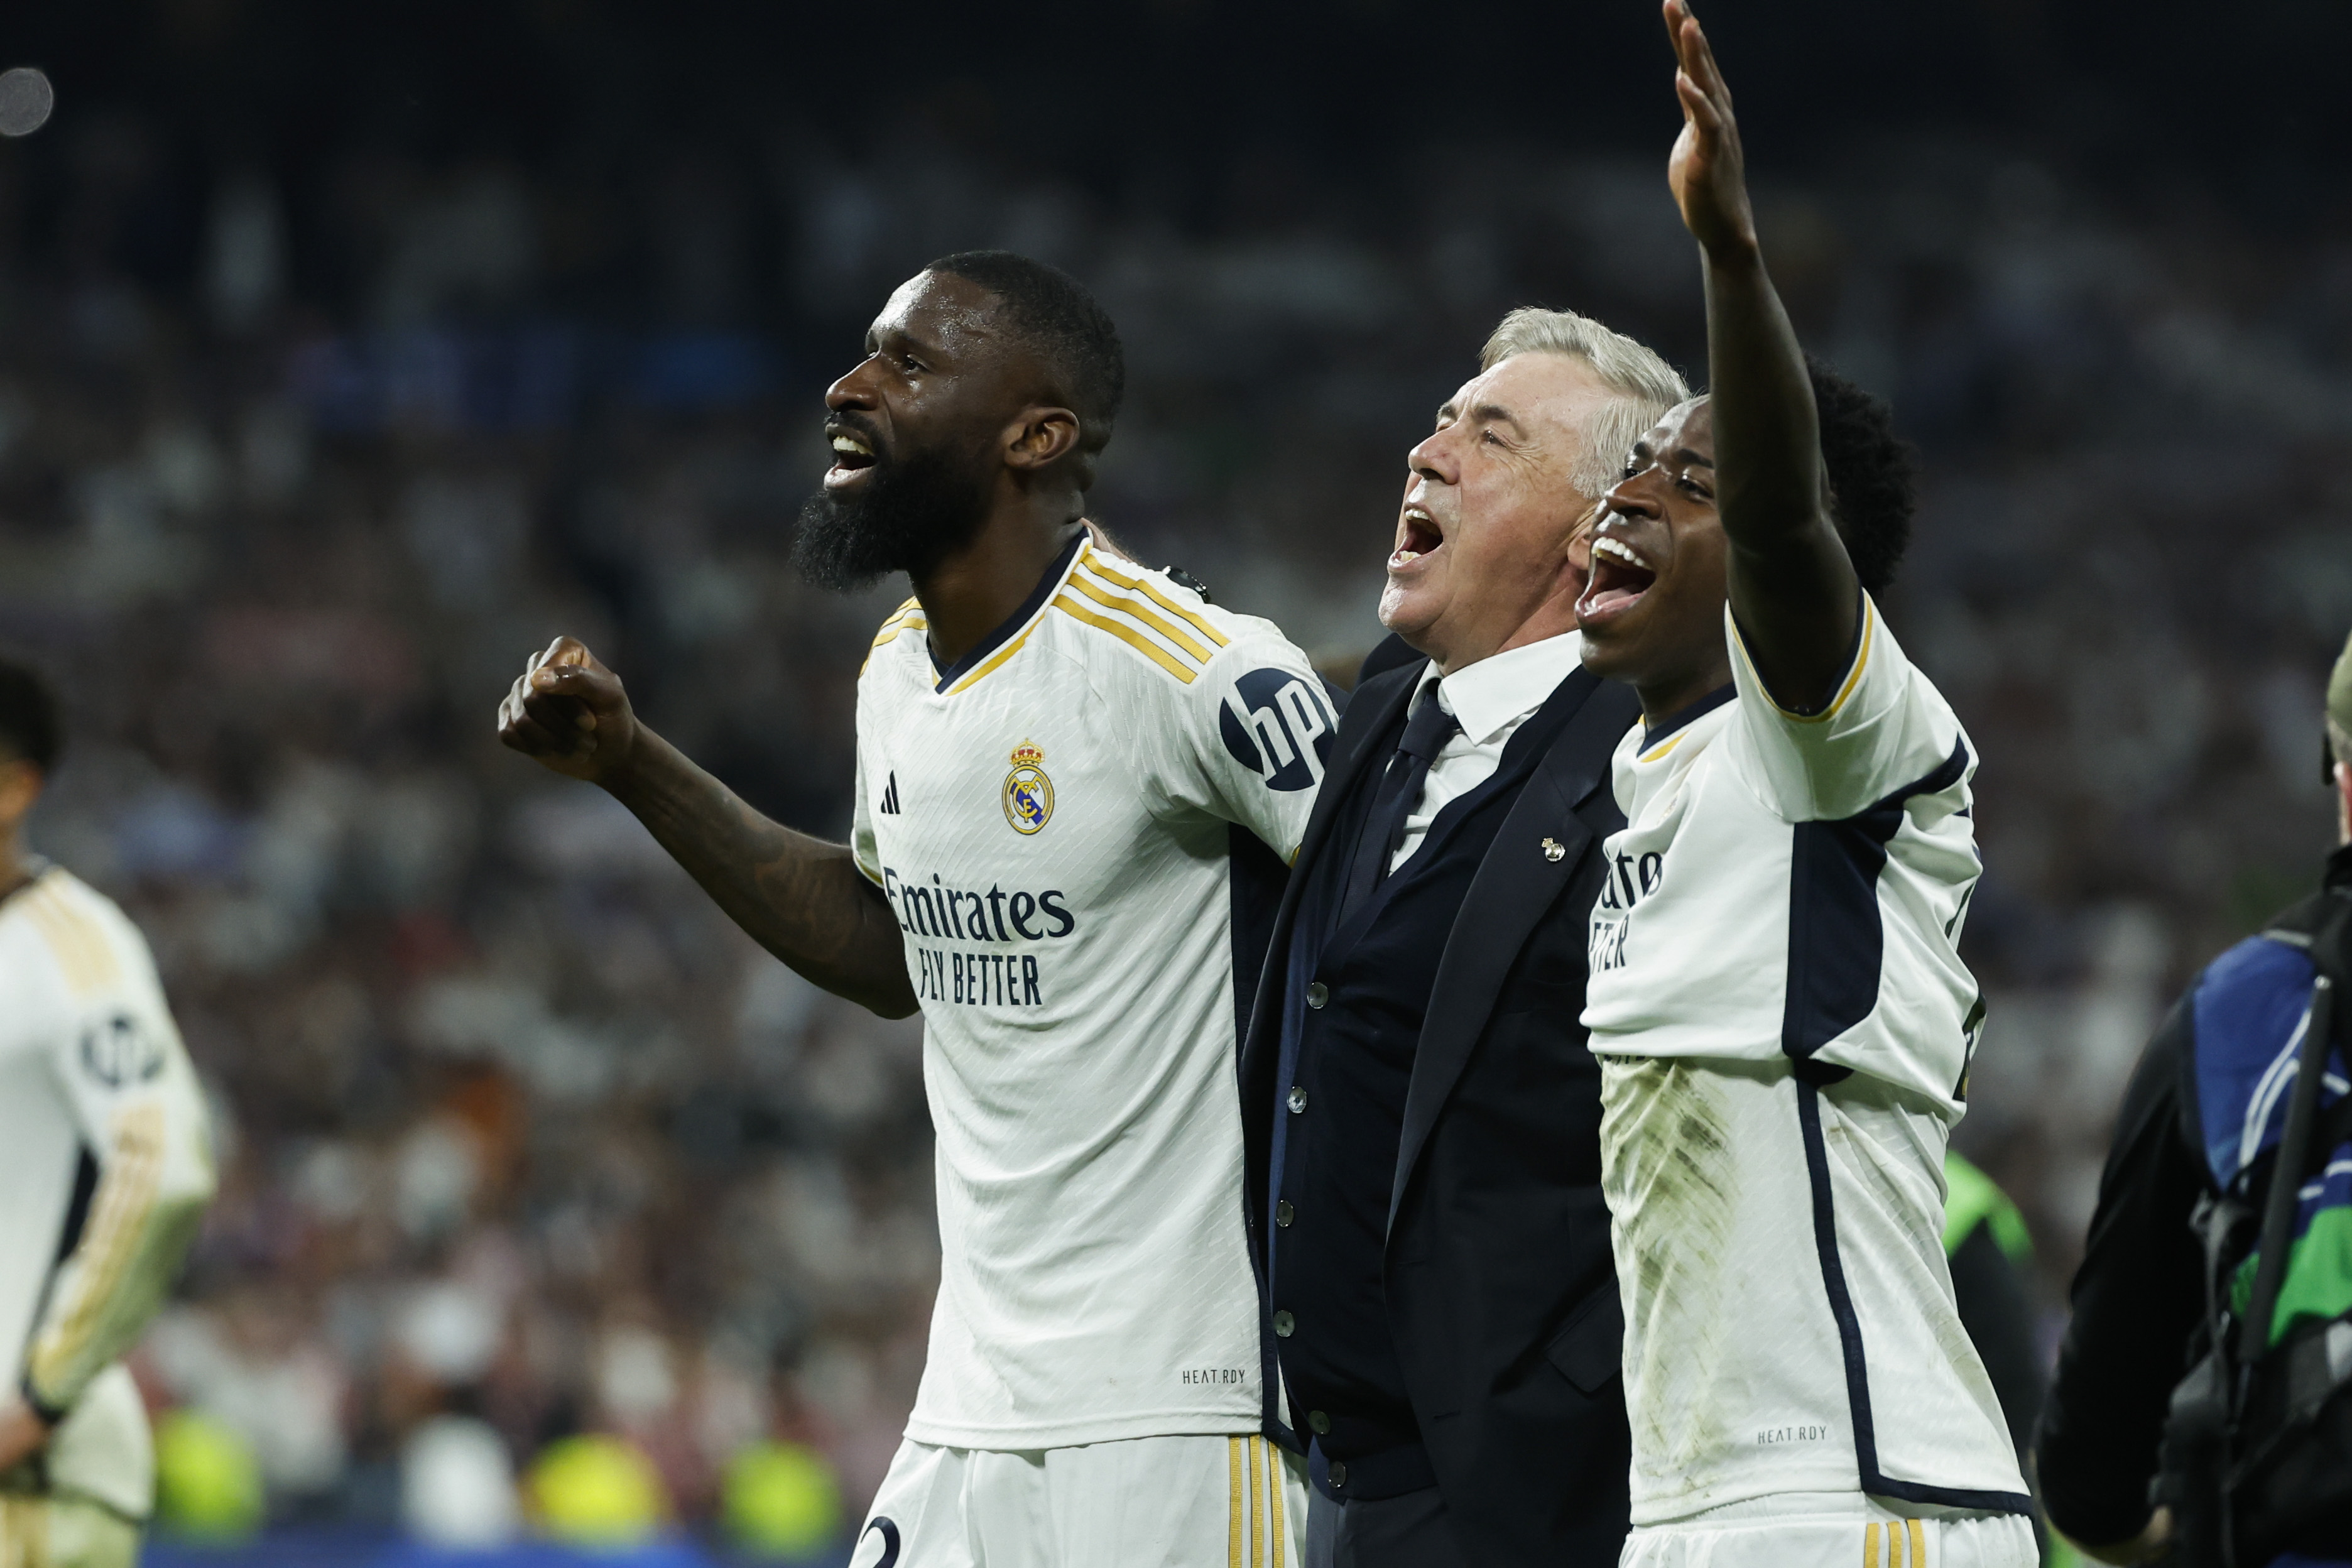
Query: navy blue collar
[1682,717]
[1013,623]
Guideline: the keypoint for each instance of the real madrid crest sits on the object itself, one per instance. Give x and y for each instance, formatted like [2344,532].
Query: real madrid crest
[1028,793]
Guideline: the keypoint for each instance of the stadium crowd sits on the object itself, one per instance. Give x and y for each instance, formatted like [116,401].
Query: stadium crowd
[516,1126]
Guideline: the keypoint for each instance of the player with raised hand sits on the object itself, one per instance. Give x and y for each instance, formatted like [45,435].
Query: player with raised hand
[1072,772]
[1777,999]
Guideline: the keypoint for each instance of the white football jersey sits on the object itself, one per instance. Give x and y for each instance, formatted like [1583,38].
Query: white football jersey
[90,1063]
[1785,1028]
[1056,824]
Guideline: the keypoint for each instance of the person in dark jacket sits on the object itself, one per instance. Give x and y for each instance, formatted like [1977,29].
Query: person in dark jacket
[2205,1108]
[1422,1114]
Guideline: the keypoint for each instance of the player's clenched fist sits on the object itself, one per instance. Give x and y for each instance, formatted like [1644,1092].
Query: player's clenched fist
[571,712]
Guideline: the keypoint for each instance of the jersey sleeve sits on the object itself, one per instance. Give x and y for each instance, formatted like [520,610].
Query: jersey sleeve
[862,845]
[1887,733]
[123,1068]
[1249,738]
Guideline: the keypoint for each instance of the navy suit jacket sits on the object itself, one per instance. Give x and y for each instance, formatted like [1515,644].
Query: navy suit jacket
[1500,1293]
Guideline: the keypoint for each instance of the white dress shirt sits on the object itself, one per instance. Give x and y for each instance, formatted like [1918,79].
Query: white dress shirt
[1492,698]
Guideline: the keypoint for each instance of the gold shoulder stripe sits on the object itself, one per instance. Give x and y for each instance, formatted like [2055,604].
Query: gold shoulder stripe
[1126,634]
[896,624]
[1093,562]
[1142,612]
[83,954]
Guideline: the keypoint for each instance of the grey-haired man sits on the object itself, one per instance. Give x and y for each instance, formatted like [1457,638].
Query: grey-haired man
[1422,1116]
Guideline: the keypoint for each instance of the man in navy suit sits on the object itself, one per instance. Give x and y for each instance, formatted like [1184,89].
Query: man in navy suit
[1422,1116]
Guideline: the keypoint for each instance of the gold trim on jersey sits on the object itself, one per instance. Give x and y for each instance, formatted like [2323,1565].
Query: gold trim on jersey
[1126,634]
[126,1202]
[84,955]
[1668,746]
[1852,677]
[996,658]
[908,616]
[1125,615]
[1090,558]
[909,613]
[1129,604]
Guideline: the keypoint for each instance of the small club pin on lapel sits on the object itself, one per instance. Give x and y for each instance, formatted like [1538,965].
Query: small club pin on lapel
[1553,848]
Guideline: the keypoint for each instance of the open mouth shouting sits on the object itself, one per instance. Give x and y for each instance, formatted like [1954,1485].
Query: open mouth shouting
[1620,575]
[1421,537]
[852,454]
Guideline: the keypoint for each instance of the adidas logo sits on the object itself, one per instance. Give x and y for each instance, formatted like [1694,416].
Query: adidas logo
[890,796]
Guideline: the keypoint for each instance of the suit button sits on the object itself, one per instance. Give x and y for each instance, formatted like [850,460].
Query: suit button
[1317,994]
[1339,1475]
[1317,1423]
[1282,1214]
[1297,1101]
[1283,1323]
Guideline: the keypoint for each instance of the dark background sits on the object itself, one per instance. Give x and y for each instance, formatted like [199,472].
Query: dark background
[349,353]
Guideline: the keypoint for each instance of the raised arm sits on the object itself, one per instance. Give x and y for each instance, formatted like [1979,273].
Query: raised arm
[1793,587]
[800,898]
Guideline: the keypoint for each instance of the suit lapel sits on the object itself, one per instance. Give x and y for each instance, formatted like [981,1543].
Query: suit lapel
[1516,882]
[1368,717]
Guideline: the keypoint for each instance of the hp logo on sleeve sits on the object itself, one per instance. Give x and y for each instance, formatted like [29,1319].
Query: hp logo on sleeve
[1278,723]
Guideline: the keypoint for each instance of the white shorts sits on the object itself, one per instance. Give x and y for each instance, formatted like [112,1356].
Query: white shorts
[1145,1502]
[64,1532]
[1836,1529]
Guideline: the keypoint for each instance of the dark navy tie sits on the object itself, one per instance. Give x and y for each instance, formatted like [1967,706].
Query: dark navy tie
[1426,734]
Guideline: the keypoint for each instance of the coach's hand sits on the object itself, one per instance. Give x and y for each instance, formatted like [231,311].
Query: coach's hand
[572,713]
[1707,170]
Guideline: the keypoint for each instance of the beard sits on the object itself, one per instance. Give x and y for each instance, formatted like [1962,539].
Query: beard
[912,514]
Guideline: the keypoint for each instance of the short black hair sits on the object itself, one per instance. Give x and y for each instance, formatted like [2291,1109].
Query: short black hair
[1059,320]
[29,729]
[1871,471]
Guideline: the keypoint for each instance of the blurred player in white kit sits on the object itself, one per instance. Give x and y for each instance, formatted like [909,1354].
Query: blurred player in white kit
[105,1169]
[1072,772]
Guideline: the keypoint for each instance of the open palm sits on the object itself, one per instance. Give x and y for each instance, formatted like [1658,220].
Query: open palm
[1705,170]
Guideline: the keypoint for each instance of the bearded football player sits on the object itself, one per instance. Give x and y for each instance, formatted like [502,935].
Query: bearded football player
[1071,773]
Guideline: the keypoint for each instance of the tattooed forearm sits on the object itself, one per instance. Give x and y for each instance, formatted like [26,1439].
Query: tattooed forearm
[800,898]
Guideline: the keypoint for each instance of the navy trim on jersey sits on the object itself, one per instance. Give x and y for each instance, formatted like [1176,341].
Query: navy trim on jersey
[1837,941]
[1857,1370]
[1837,937]
[1013,623]
[1682,717]
[889,1529]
